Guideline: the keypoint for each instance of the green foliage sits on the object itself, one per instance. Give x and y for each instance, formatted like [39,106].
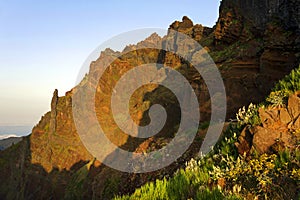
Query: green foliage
[3,162]
[277,99]
[75,188]
[178,187]
[232,52]
[226,145]
[209,194]
[288,85]
[191,183]
[111,187]
[223,55]
[249,116]
[262,176]
[204,125]
[188,183]
[207,41]
[157,190]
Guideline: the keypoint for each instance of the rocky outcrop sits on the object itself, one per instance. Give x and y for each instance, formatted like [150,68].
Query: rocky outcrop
[54,142]
[53,112]
[261,12]
[230,26]
[187,27]
[279,129]
[260,46]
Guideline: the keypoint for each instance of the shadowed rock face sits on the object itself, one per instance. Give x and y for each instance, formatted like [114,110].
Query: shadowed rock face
[247,39]
[260,12]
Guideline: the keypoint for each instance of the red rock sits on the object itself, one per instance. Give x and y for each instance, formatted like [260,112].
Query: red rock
[264,138]
[284,116]
[294,105]
[244,143]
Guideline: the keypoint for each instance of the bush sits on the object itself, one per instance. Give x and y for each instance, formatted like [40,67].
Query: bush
[284,88]
[249,116]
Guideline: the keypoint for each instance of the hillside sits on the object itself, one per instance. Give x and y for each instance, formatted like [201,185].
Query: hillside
[258,157]
[7,142]
[252,51]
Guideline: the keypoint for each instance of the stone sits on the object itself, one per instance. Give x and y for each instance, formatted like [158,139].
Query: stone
[296,124]
[187,27]
[261,12]
[277,147]
[229,26]
[284,116]
[244,143]
[222,182]
[53,111]
[186,22]
[264,138]
[181,26]
[277,60]
[294,105]
[276,130]
[268,116]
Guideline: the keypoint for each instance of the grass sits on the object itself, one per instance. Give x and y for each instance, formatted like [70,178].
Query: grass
[184,185]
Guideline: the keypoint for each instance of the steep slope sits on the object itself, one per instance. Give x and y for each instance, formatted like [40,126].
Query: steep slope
[251,54]
[258,156]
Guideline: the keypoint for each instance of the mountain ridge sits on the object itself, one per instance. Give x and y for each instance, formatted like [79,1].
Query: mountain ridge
[250,61]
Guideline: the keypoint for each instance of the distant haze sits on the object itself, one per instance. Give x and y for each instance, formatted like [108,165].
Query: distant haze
[14,131]
[44,43]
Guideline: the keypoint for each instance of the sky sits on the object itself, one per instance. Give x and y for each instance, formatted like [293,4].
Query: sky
[43,43]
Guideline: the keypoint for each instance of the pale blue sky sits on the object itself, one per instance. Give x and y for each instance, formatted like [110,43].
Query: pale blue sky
[43,43]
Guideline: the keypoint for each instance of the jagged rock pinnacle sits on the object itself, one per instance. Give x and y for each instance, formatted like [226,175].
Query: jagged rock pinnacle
[53,111]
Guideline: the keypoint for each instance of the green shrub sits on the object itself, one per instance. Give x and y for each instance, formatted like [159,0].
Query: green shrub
[249,116]
[277,99]
[111,187]
[282,90]
[75,187]
[290,83]
[207,194]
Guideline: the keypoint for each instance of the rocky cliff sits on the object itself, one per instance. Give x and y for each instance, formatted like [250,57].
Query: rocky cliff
[262,12]
[254,44]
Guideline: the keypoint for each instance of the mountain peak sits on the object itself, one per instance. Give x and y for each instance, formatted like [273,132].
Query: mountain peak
[185,24]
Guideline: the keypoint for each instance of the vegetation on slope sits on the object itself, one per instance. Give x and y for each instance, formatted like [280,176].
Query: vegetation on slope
[225,174]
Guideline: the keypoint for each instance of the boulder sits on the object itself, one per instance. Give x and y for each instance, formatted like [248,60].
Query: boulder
[264,138]
[276,132]
[244,143]
[294,105]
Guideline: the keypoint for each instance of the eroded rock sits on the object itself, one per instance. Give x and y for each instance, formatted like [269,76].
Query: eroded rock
[277,130]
